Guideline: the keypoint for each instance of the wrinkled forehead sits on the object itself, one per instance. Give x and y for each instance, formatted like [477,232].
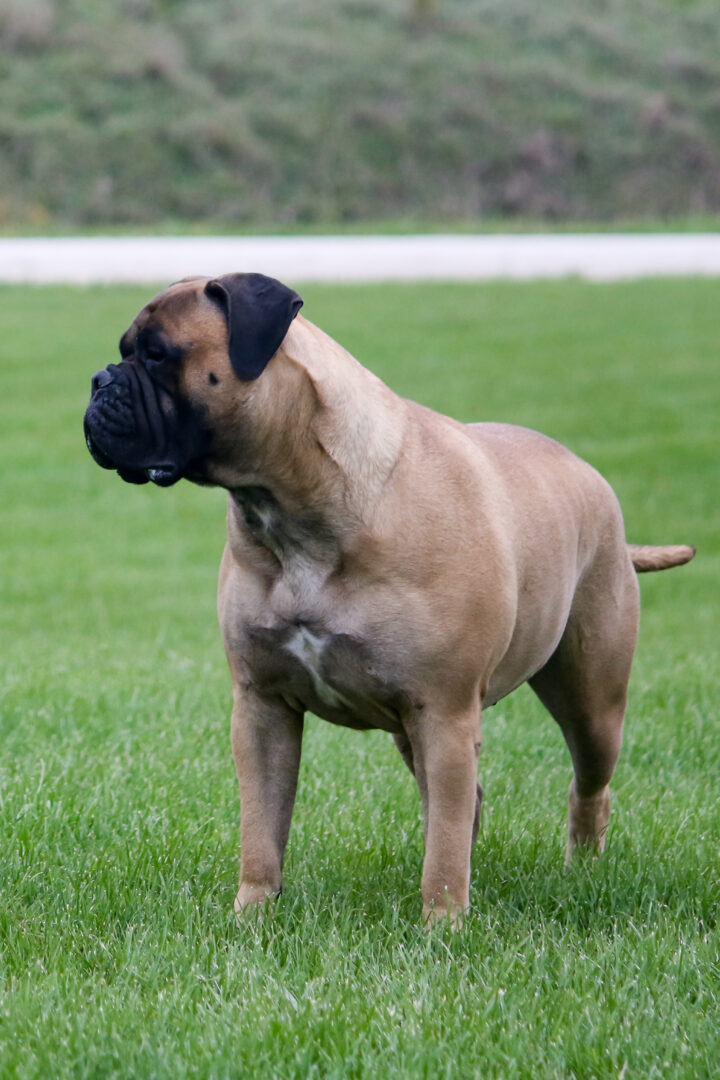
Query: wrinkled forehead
[174,310]
[176,303]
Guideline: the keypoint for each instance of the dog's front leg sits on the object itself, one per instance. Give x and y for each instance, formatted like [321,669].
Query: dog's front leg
[266,742]
[445,752]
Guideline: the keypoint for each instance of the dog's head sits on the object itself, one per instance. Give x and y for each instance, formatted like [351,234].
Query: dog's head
[156,415]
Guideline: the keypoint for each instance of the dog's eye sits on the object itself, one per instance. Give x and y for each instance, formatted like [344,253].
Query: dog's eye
[154,352]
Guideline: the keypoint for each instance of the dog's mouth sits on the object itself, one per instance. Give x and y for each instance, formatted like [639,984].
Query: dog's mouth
[134,426]
[162,475]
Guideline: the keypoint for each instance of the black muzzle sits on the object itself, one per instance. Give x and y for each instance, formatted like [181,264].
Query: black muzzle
[134,425]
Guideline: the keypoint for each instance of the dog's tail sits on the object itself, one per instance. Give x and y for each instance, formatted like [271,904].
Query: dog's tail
[651,557]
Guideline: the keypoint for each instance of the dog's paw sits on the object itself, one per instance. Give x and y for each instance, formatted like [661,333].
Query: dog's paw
[449,915]
[254,898]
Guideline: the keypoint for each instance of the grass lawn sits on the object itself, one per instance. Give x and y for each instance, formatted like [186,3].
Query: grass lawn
[118,808]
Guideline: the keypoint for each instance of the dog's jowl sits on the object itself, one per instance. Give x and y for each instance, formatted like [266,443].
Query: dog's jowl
[339,592]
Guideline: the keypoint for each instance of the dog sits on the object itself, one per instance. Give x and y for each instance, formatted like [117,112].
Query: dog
[386,566]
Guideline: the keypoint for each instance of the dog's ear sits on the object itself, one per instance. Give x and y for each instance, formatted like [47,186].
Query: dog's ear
[258,311]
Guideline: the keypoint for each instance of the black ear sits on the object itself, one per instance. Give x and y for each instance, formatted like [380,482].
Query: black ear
[259,311]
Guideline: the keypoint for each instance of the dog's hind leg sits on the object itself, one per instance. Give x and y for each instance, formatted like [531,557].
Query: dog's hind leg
[403,744]
[584,687]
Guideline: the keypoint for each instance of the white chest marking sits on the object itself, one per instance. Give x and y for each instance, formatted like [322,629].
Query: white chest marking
[308,649]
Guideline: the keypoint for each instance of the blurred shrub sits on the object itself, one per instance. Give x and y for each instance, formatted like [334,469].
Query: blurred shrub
[337,110]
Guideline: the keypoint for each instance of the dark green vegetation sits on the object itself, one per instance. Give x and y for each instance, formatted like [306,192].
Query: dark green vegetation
[143,111]
[118,810]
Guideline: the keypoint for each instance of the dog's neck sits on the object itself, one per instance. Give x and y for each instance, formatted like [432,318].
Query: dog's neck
[320,438]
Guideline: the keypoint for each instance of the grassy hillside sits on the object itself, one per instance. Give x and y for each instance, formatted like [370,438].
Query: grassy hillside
[340,110]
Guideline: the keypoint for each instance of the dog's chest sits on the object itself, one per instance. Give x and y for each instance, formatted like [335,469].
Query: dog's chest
[299,646]
[335,675]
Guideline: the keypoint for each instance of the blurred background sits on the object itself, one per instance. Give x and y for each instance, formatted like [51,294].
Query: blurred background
[291,114]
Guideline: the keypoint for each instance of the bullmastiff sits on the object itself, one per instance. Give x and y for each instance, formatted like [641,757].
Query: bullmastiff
[386,566]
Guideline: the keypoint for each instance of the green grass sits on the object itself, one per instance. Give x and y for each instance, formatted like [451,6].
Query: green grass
[118,809]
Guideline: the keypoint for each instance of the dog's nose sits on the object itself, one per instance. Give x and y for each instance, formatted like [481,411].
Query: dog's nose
[100,379]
